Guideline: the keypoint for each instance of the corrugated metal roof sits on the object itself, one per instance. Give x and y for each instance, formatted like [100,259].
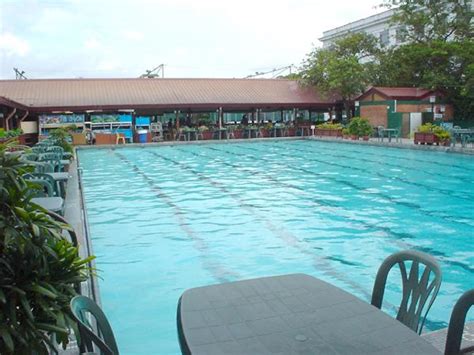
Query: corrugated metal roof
[136,93]
[401,92]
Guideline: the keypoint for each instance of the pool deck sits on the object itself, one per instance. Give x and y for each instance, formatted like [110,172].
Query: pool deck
[75,212]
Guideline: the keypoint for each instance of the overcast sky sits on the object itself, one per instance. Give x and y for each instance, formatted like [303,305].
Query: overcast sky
[193,38]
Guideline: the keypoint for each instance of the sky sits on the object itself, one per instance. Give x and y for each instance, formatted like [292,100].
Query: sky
[192,38]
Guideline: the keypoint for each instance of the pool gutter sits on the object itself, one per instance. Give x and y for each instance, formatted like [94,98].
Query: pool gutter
[75,213]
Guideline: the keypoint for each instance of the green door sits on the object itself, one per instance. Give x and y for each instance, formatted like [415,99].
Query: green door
[395,120]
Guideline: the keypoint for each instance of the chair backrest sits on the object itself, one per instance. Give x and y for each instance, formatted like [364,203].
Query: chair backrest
[156,127]
[46,177]
[82,309]
[55,149]
[43,167]
[29,157]
[416,289]
[456,325]
[45,190]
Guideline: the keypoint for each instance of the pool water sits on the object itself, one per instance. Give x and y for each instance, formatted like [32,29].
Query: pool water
[165,219]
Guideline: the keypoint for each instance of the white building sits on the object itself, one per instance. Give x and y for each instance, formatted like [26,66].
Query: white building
[378,25]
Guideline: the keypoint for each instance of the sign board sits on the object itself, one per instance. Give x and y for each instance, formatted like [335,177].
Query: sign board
[60,119]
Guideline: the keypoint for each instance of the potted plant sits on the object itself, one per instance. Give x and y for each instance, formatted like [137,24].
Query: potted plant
[443,137]
[345,133]
[359,127]
[204,130]
[39,268]
[429,133]
[365,129]
[329,130]
[267,130]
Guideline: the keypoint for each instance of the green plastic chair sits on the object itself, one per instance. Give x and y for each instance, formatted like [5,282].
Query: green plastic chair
[48,178]
[46,188]
[104,339]
[416,289]
[456,325]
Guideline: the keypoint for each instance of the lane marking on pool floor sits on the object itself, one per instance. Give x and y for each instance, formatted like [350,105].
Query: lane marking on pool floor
[319,264]
[311,141]
[218,271]
[387,230]
[327,152]
[380,194]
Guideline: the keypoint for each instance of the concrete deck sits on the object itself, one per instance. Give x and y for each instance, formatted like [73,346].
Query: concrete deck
[438,338]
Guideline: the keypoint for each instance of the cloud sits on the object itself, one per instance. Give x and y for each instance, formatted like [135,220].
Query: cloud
[92,43]
[133,35]
[12,45]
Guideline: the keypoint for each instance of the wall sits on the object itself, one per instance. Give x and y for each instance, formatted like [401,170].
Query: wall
[377,114]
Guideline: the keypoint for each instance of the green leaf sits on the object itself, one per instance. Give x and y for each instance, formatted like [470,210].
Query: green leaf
[51,328]
[43,291]
[7,339]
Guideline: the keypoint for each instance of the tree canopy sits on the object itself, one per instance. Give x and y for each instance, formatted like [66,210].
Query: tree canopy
[341,69]
[438,54]
[433,20]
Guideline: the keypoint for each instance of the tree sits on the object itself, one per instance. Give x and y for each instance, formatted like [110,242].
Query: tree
[439,53]
[342,69]
[428,20]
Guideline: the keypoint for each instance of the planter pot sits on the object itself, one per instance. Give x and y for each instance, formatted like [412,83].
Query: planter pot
[207,135]
[345,136]
[365,138]
[265,132]
[28,138]
[425,138]
[354,137]
[104,138]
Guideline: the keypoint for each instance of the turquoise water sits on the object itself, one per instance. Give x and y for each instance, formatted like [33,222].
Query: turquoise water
[165,219]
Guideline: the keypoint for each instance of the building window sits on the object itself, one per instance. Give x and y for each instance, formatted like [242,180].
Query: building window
[401,34]
[384,37]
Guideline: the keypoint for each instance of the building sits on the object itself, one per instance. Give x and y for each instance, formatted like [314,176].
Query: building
[30,103]
[404,108]
[378,25]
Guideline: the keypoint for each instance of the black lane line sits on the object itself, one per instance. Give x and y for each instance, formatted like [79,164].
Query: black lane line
[218,271]
[319,203]
[349,157]
[462,167]
[359,189]
[445,258]
[406,181]
[390,198]
[291,240]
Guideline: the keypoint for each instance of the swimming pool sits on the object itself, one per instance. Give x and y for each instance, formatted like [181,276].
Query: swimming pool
[164,219]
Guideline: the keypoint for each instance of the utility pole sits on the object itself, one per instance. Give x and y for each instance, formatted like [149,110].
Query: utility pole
[19,75]
[154,73]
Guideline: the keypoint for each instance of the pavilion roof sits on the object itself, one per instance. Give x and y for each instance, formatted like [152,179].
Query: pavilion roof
[158,93]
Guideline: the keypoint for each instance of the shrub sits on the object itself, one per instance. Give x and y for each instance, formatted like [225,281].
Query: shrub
[38,268]
[334,126]
[438,131]
[359,126]
[62,137]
